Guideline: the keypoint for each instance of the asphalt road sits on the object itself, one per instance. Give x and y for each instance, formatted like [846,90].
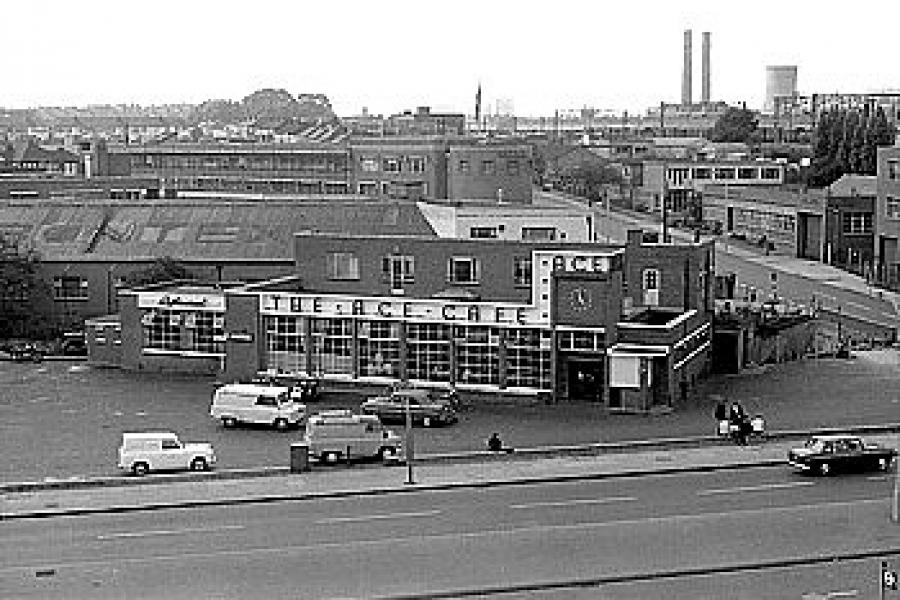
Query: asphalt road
[464,539]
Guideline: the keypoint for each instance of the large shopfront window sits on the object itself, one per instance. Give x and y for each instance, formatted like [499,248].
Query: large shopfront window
[477,354]
[332,343]
[379,348]
[184,331]
[428,351]
[528,358]
[285,348]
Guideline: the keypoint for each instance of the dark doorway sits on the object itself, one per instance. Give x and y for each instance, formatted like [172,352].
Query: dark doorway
[729,225]
[586,380]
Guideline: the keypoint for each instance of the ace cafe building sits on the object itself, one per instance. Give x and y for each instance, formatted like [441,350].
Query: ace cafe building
[627,326]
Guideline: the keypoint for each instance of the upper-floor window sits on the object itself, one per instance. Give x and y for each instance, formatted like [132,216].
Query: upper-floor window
[368,164]
[342,265]
[892,207]
[416,164]
[857,222]
[391,165]
[483,232]
[538,234]
[702,173]
[398,269]
[464,166]
[462,269]
[488,167]
[522,270]
[512,167]
[651,279]
[725,173]
[771,173]
[70,288]
[893,169]
[747,173]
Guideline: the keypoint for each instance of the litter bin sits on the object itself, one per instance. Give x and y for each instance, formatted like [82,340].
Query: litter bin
[299,457]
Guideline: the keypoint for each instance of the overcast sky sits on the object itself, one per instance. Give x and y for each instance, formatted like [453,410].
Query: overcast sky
[390,55]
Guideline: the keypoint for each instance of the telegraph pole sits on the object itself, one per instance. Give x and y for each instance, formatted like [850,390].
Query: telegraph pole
[408,444]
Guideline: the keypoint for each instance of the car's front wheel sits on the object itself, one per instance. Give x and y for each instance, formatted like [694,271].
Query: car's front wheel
[140,468]
[824,469]
[281,424]
[199,464]
[229,422]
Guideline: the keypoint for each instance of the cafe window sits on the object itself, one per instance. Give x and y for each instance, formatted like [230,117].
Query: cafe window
[463,167]
[522,270]
[483,233]
[398,269]
[67,288]
[342,265]
[538,234]
[462,270]
[416,164]
[285,343]
[391,165]
[368,164]
[488,167]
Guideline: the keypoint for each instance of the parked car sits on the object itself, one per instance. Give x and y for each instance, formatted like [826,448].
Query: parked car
[162,451]
[827,454]
[257,404]
[26,353]
[73,344]
[425,406]
[303,389]
[336,434]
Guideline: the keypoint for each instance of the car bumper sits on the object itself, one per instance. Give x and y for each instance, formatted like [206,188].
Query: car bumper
[799,466]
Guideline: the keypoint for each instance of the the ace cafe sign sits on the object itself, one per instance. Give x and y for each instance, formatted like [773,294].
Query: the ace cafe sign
[400,309]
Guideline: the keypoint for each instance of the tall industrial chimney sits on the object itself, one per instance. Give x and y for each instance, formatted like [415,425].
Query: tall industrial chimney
[686,74]
[704,90]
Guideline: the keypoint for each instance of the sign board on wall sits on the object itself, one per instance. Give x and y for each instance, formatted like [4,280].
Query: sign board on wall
[181,301]
[625,371]
[398,308]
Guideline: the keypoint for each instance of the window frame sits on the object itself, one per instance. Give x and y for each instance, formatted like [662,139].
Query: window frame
[474,270]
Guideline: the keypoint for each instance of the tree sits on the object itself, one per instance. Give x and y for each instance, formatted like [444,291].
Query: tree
[22,291]
[163,269]
[846,142]
[735,125]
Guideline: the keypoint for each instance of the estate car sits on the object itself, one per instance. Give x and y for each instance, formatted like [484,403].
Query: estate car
[425,407]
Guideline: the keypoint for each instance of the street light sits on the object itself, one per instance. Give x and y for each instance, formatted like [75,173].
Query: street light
[408,446]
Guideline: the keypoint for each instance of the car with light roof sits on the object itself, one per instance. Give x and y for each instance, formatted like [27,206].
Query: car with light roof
[828,454]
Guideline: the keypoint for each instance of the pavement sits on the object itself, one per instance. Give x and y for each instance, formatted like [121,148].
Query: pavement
[342,481]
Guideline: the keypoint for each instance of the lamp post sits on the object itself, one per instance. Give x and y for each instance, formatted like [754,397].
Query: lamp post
[408,443]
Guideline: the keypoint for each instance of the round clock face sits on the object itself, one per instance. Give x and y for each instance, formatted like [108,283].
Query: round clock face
[580,299]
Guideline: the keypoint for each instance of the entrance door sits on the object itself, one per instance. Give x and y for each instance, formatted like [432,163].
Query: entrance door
[586,380]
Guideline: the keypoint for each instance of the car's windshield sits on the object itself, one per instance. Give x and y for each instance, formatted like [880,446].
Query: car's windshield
[813,444]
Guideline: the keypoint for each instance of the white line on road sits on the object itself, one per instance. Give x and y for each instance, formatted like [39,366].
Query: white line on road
[141,534]
[575,502]
[858,305]
[829,595]
[362,518]
[754,488]
[393,540]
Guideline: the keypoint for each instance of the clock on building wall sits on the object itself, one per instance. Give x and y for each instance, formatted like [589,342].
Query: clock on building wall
[580,299]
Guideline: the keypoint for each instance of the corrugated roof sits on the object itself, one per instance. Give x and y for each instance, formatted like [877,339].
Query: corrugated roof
[851,184]
[198,230]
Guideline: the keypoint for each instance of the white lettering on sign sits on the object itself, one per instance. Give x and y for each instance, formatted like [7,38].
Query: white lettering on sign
[396,309]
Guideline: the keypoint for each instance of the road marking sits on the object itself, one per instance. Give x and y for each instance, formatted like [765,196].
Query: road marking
[857,305]
[151,533]
[829,595]
[533,529]
[362,518]
[575,502]
[754,488]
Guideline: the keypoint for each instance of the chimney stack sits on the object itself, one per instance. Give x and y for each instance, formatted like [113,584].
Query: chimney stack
[686,95]
[704,91]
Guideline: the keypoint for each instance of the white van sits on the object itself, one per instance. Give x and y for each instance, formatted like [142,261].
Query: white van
[335,434]
[253,403]
[161,451]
